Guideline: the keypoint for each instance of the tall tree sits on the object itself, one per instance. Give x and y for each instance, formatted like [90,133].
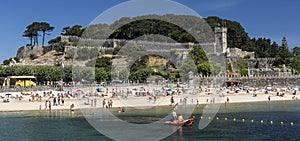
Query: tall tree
[29,34]
[296,51]
[32,33]
[284,42]
[34,28]
[284,55]
[198,55]
[45,27]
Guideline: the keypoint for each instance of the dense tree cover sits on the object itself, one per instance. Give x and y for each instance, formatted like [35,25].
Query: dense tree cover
[46,74]
[198,55]
[53,74]
[237,37]
[7,62]
[102,62]
[150,26]
[43,73]
[101,75]
[60,47]
[242,66]
[32,32]
[140,75]
[130,28]
[295,62]
[75,30]
[263,47]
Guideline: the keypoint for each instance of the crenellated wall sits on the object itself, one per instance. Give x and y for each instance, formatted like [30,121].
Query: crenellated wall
[258,81]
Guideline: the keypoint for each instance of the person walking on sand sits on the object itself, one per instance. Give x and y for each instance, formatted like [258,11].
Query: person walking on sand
[172,100]
[103,103]
[95,102]
[46,104]
[62,101]
[111,103]
[269,98]
[227,99]
[58,100]
[54,101]
[108,103]
[49,105]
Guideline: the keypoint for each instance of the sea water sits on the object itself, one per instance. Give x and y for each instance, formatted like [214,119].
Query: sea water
[244,121]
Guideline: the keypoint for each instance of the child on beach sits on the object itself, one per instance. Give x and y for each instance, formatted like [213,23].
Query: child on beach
[72,107]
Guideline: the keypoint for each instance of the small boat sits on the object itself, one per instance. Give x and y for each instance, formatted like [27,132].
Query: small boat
[183,123]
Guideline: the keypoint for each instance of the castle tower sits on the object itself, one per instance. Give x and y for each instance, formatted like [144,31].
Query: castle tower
[221,39]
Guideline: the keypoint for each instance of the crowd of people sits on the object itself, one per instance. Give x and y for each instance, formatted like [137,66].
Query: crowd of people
[183,94]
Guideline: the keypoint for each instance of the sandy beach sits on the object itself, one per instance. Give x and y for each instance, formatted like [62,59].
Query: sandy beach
[26,103]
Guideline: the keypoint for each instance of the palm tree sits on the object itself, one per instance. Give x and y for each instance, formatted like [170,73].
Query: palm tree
[45,27]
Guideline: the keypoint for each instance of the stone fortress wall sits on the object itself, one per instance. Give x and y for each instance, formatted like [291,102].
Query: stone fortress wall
[217,49]
[255,81]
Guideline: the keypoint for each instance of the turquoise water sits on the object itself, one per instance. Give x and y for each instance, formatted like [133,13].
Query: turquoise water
[65,125]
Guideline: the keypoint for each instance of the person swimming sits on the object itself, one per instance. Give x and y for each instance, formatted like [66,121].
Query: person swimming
[174,116]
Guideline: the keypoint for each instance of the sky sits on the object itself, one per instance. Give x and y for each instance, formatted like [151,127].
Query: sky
[260,18]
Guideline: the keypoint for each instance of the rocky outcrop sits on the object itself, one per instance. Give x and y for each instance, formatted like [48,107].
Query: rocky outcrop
[25,51]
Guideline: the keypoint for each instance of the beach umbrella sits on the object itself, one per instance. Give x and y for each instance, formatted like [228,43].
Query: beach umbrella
[268,88]
[171,89]
[99,87]
[8,95]
[79,91]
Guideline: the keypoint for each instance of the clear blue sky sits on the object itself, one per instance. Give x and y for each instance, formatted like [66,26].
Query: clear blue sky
[261,18]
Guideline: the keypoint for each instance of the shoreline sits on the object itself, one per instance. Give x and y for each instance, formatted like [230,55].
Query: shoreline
[142,102]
